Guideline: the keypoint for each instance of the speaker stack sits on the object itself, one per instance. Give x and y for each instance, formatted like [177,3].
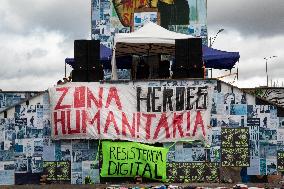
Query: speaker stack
[188,58]
[87,61]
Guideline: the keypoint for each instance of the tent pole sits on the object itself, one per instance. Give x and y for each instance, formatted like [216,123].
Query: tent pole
[113,65]
[65,69]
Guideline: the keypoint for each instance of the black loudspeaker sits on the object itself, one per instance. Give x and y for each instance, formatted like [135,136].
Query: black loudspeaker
[91,75]
[96,74]
[188,53]
[87,61]
[81,54]
[196,73]
[180,73]
[86,54]
[79,75]
[93,54]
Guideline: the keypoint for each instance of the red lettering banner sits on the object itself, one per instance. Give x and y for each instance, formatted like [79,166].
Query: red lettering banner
[145,112]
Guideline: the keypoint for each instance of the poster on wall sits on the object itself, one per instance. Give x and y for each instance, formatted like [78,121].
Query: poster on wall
[235,147]
[83,154]
[280,161]
[172,13]
[7,177]
[8,99]
[129,159]
[49,169]
[235,157]
[254,168]
[271,166]
[145,112]
[141,18]
[7,173]
[91,169]
[180,172]
[57,171]
[234,138]
[189,152]
[183,16]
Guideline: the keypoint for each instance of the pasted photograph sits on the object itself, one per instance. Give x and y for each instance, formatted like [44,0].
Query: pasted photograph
[21,165]
[271,166]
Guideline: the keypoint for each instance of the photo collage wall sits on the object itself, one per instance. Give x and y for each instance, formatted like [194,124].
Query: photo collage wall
[27,152]
[252,131]
[9,99]
[110,17]
[231,110]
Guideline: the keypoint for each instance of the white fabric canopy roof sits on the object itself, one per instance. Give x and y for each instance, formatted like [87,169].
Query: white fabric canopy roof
[148,40]
[150,33]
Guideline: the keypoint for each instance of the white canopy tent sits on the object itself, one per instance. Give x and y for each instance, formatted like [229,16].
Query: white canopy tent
[148,40]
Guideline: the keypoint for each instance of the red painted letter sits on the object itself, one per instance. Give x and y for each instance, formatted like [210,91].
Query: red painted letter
[64,91]
[177,124]
[57,120]
[112,94]
[78,123]
[188,123]
[79,97]
[138,117]
[126,123]
[163,123]
[148,124]
[198,122]
[91,98]
[86,121]
[110,118]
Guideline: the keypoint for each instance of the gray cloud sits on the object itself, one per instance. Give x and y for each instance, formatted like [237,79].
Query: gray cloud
[250,17]
[27,57]
[252,50]
[36,37]
[36,53]
[70,17]
[253,28]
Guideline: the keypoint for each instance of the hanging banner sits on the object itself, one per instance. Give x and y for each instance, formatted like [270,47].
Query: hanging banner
[148,112]
[130,159]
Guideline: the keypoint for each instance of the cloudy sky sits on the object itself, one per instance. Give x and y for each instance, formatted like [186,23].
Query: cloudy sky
[255,29]
[37,35]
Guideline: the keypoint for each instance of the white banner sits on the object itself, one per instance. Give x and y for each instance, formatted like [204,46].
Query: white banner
[148,112]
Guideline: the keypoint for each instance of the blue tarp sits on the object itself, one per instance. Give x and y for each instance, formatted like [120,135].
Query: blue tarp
[217,59]
[213,58]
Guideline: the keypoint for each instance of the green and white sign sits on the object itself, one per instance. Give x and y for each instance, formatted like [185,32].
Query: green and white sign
[130,159]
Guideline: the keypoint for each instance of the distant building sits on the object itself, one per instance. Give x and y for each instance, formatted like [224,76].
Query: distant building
[273,94]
